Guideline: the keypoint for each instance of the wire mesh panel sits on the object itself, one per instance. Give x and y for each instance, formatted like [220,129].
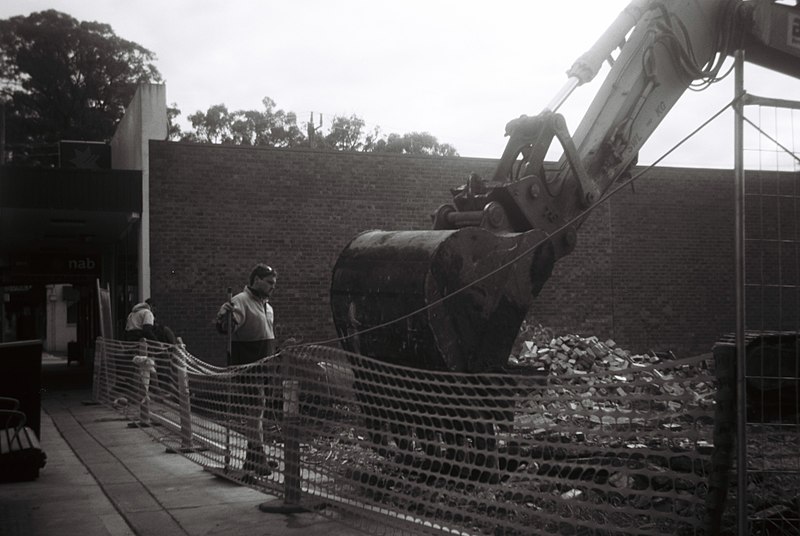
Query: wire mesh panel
[612,444]
[221,418]
[771,437]
[596,442]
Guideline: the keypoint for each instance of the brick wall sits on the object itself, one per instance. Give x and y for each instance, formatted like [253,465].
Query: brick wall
[652,269]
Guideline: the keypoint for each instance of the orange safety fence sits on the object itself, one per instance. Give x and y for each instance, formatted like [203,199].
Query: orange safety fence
[623,449]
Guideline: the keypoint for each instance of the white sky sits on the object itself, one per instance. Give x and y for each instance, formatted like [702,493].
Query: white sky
[459,70]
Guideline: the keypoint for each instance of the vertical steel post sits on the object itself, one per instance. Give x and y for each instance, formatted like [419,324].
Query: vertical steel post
[739,196]
[179,361]
[228,416]
[98,366]
[292,477]
[179,364]
[291,445]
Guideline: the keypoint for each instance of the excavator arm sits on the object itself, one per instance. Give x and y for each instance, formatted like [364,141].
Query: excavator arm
[453,298]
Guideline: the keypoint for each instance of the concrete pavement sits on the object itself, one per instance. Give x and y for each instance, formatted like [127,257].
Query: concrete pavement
[103,478]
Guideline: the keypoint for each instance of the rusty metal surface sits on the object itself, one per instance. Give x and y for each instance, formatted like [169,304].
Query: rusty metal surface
[383,276]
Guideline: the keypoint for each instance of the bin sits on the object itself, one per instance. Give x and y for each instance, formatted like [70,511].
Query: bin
[21,378]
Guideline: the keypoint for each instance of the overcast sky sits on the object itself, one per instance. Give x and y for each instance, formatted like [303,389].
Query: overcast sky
[459,70]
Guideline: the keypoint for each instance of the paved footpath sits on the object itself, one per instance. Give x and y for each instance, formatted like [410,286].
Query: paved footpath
[103,478]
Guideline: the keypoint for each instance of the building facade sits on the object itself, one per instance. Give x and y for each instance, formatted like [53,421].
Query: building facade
[653,267]
[183,222]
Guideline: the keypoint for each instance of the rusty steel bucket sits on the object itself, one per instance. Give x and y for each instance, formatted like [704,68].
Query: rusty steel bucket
[438,300]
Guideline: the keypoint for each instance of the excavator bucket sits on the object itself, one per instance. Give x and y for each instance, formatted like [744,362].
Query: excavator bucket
[438,300]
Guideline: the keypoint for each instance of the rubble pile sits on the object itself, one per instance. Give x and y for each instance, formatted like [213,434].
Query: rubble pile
[600,383]
[596,432]
[573,354]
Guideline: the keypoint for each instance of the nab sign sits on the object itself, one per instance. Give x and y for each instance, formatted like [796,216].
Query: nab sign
[81,265]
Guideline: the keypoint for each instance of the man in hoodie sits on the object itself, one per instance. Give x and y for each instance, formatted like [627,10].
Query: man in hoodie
[250,319]
[141,322]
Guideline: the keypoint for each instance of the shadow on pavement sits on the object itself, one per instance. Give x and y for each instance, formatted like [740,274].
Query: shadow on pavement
[58,375]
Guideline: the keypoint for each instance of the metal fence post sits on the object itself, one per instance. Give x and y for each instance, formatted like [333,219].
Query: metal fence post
[100,355]
[291,445]
[291,454]
[739,214]
[178,358]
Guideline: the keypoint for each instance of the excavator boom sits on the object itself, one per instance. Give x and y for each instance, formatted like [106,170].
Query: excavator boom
[454,297]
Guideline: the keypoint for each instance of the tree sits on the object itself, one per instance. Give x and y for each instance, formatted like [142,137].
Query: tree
[275,128]
[347,134]
[415,143]
[213,126]
[271,127]
[65,79]
[174,131]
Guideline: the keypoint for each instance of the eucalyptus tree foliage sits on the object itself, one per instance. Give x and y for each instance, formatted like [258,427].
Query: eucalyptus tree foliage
[274,127]
[268,127]
[415,143]
[61,78]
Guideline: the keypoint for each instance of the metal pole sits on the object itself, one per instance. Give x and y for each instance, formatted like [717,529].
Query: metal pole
[226,419]
[184,401]
[291,445]
[230,328]
[741,402]
[292,478]
[562,95]
[178,358]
